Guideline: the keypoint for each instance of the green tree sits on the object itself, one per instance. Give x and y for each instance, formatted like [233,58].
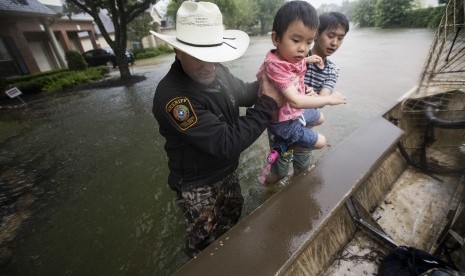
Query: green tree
[241,16]
[424,18]
[266,11]
[140,27]
[347,8]
[363,13]
[391,13]
[230,9]
[173,7]
[121,13]
[417,4]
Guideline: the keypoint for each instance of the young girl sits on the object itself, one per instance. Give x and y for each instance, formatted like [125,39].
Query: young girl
[294,29]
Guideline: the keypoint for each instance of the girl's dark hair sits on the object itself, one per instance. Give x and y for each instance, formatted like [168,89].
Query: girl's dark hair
[333,20]
[292,11]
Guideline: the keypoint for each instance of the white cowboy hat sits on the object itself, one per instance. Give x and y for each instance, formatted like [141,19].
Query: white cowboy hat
[200,33]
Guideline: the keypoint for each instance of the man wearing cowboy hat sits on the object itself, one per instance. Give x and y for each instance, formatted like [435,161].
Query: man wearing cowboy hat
[197,107]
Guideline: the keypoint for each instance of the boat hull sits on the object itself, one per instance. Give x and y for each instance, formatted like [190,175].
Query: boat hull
[303,228]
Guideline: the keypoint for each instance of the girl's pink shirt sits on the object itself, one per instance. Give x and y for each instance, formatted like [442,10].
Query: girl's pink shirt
[282,74]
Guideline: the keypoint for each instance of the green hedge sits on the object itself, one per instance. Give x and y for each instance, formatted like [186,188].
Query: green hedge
[59,80]
[76,78]
[152,52]
[424,18]
[35,76]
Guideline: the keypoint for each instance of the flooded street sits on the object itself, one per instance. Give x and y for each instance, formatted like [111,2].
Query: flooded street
[95,170]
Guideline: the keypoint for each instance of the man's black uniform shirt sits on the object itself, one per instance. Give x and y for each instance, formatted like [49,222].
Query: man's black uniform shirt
[202,127]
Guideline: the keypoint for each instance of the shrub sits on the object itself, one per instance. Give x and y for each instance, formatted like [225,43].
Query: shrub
[103,69]
[148,54]
[436,17]
[3,87]
[35,85]
[35,76]
[73,79]
[29,87]
[75,61]
[3,84]
[60,80]
[152,52]
[67,81]
[165,48]
[254,31]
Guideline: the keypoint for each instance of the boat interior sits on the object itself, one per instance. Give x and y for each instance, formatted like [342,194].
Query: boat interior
[398,180]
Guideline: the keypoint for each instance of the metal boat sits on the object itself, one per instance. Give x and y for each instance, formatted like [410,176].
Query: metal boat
[399,180]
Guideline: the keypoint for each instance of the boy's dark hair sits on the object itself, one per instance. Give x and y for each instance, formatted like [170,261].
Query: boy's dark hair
[333,20]
[292,11]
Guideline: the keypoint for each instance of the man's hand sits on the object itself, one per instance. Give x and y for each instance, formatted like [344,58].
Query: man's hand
[271,91]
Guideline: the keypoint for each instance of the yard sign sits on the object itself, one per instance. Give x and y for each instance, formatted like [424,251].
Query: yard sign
[13,92]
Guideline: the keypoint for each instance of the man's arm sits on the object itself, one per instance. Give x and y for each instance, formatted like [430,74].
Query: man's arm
[271,91]
[331,79]
[210,132]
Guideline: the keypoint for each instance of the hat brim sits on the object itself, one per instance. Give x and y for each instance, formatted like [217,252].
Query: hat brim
[230,49]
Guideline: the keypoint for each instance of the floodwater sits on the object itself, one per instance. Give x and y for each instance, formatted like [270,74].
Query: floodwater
[100,204]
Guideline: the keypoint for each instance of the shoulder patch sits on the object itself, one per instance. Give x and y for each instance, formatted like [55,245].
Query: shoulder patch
[181,112]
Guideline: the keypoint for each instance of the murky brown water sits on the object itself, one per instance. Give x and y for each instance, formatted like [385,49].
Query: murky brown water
[96,160]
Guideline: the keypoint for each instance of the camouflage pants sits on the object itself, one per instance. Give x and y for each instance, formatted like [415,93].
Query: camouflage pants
[209,211]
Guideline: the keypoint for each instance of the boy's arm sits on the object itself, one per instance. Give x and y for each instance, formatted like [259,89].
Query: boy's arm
[325,91]
[300,101]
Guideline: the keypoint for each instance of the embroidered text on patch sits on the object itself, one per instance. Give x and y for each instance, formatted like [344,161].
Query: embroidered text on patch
[181,112]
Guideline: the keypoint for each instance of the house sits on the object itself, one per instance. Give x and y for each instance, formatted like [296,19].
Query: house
[164,23]
[101,42]
[34,36]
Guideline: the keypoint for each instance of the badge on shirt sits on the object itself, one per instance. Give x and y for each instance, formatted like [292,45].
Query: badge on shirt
[181,112]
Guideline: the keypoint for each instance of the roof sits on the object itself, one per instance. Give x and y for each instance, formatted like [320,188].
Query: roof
[55,5]
[106,20]
[58,7]
[24,7]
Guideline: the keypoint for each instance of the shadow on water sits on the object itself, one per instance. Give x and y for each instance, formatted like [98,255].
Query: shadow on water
[92,170]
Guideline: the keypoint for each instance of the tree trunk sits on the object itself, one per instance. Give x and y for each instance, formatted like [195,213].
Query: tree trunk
[123,66]
[262,27]
[124,71]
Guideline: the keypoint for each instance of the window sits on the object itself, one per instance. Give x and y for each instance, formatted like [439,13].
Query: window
[11,62]
[4,54]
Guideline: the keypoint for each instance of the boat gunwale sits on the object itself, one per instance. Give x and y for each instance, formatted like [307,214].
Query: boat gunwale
[375,140]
